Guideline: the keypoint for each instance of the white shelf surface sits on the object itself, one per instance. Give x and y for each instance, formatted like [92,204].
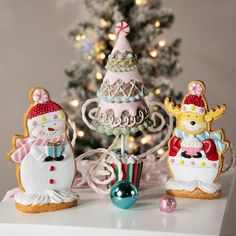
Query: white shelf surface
[95,215]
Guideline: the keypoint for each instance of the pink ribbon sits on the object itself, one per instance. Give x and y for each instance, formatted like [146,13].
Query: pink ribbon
[10,194]
[153,170]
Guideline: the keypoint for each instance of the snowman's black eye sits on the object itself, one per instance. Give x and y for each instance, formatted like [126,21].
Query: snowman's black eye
[42,126]
[54,123]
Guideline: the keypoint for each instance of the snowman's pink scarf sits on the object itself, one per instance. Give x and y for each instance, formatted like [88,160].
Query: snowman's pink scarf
[23,146]
[10,194]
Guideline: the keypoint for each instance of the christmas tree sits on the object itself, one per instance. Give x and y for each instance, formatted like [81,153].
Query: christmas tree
[94,41]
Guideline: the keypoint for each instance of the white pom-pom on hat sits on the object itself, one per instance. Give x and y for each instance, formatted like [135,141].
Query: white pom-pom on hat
[196,88]
[122,28]
[40,96]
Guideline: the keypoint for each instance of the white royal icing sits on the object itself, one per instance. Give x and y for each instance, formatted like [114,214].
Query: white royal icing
[190,173]
[189,169]
[191,142]
[48,197]
[126,159]
[192,185]
[35,174]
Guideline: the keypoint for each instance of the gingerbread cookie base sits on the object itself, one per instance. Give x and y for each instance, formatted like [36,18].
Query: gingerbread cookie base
[197,193]
[45,207]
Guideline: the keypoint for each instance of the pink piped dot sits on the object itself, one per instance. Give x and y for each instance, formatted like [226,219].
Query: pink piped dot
[34,123]
[172,160]
[214,165]
[55,117]
[192,162]
[202,110]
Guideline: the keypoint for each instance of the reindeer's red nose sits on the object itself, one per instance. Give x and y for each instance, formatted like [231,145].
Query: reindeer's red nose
[51,129]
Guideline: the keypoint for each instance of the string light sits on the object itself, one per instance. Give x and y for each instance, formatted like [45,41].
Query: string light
[155,108]
[153,53]
[104,23]
[74,102]
[132,145]
[112,36]
[161,151]
[157,24]
[89,58]
[90,86]
[141,2]
[81,133]
[131,138]
[162,43]
[98,75]
[78,38]
[146,139]
[100,46]
[102,55]
[157,91]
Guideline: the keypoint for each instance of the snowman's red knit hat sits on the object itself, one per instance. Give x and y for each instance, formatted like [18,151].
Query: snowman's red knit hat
[42,104]
[43,109]
[194,101]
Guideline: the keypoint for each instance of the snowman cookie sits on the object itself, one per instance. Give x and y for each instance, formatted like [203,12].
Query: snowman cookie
[44,158]
[196,153]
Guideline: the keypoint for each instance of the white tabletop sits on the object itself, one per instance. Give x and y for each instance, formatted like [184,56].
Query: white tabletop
[95,215]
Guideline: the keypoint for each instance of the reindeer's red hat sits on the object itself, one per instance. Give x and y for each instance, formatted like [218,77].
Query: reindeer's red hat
[194,101]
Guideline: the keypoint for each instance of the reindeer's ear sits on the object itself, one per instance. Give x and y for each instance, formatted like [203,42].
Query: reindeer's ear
[215,113]
[171,107]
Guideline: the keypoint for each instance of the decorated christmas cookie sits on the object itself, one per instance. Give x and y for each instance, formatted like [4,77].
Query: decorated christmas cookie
[44,158]
[196,153]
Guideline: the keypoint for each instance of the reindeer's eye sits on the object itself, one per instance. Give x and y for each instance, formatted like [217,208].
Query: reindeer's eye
[196,116]
[188,115]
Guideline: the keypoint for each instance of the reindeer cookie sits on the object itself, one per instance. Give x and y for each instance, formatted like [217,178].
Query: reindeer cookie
[196,153]
[44,158]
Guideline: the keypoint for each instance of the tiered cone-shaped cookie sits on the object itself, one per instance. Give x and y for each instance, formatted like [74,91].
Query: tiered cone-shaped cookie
[122,109]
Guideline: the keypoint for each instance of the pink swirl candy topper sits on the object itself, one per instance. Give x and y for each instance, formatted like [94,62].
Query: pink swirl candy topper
[196,89]
[40,96]
[122,28]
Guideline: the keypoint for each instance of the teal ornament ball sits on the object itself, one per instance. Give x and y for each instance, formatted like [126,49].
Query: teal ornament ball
[123,194]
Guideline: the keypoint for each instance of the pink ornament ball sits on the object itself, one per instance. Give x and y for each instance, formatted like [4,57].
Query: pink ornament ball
[167,204]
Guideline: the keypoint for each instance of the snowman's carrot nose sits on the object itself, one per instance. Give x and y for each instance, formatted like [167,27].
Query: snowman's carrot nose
[51,129]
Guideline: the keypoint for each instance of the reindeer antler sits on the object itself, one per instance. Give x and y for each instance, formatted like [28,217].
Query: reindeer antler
[215,113]
[171,107]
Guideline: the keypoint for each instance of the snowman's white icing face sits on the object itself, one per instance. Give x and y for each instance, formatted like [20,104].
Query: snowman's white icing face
[49,129]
